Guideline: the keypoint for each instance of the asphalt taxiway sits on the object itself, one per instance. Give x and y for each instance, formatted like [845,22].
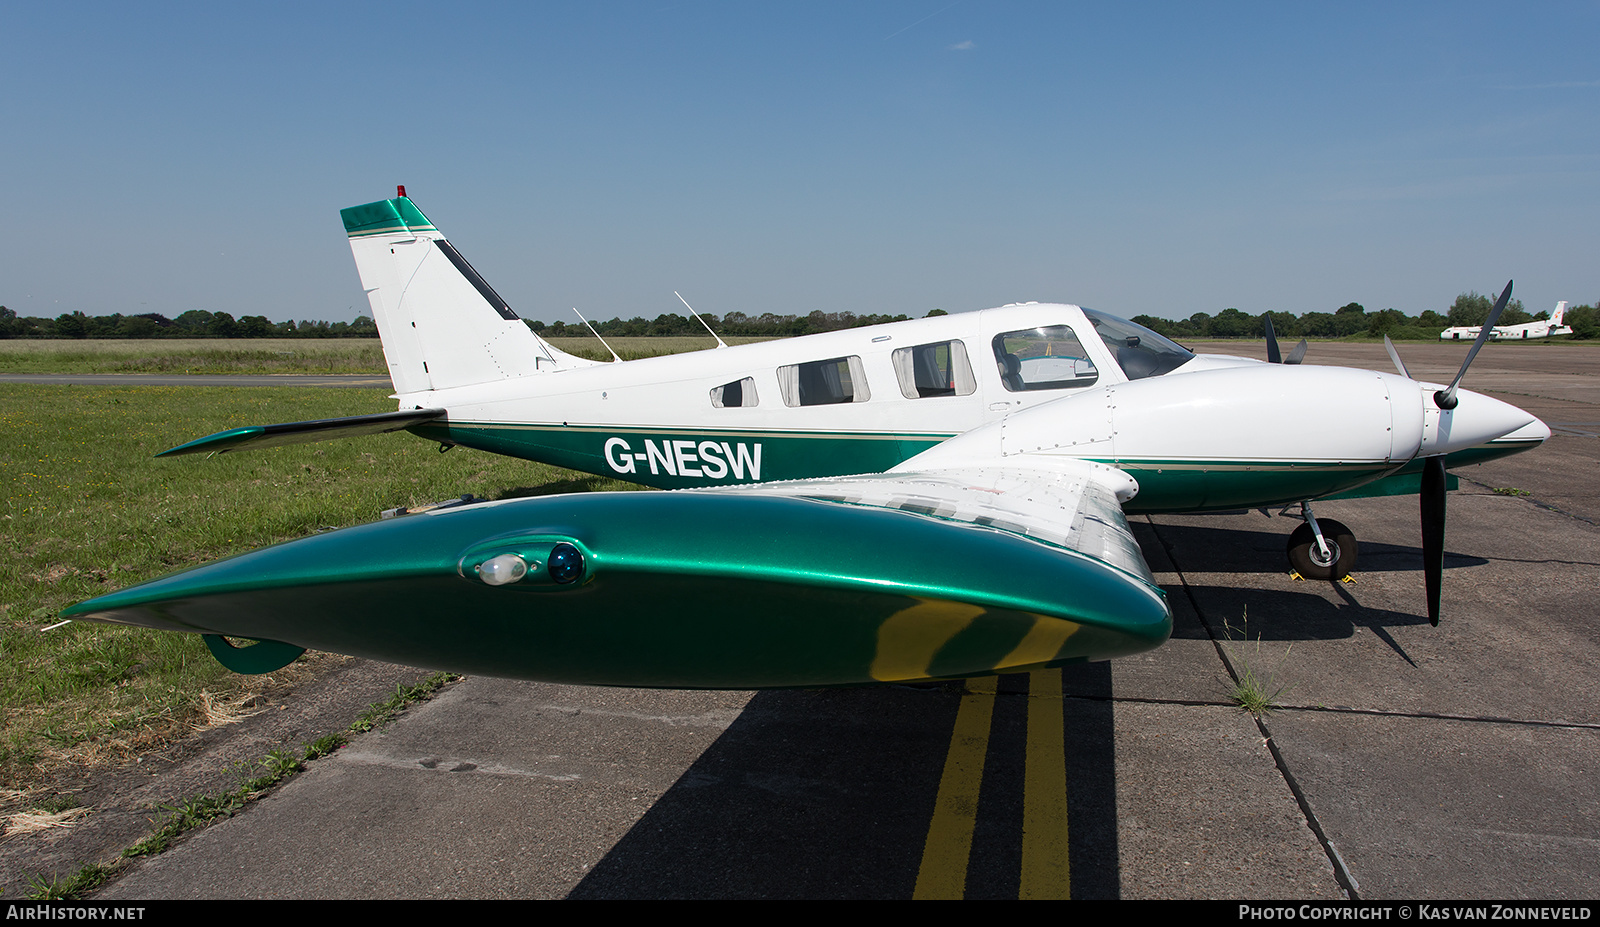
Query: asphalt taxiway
[1403,761]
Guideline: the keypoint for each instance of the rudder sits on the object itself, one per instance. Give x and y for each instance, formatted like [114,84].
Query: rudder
[441,323]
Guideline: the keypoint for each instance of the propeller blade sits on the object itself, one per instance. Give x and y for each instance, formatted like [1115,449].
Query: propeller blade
[1446,398]
[1274,356]
[1394,355]
[1298,354]
[1433,531]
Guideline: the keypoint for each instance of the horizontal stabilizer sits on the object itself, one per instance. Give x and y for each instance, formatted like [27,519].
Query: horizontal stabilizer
[679,590]
[326,429]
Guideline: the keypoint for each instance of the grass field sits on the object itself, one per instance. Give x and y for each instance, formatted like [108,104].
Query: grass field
[199,355]
[273,355]
[87,509]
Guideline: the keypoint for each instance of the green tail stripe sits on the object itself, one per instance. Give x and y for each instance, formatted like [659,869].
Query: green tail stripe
[384,217]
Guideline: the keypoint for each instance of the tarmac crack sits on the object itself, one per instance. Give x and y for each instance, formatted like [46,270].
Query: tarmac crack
[1441,716]
[1341,872]
[1529,499]
[1344,710]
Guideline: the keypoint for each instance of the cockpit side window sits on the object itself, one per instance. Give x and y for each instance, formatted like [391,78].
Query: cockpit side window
[1139,351]
[1043,358]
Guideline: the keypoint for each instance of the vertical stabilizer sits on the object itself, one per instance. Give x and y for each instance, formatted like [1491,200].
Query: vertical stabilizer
[1561,310]
[441,323]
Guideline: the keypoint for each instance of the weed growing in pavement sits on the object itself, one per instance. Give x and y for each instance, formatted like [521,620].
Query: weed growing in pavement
[380,713]
[1254,687]
[83,881]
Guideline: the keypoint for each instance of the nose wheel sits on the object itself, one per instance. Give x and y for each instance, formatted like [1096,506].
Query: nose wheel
[1312,561]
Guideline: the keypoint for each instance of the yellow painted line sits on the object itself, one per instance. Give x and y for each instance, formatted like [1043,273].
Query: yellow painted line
[943,874]
[1046,870]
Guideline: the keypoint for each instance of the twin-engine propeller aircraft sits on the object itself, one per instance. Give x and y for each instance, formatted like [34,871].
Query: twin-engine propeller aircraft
[1555,325]
[937,498]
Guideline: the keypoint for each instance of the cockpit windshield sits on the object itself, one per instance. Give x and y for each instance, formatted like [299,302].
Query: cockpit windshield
[1139,351]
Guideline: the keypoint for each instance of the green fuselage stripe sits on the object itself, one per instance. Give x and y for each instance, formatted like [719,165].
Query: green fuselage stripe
[680,458]
[684,458]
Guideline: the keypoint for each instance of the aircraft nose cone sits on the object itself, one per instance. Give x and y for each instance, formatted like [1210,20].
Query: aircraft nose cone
[1478,419]
[1535,432]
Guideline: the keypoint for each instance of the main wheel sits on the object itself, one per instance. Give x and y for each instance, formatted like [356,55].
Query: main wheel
[1309,562]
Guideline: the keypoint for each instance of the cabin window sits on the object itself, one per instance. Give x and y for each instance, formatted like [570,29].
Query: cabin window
[939,369]
[735,394]
[824,382]
[1043,358]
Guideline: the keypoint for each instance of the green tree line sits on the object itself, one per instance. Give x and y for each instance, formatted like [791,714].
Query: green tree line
[1351,319]
[734,323]
[196,323]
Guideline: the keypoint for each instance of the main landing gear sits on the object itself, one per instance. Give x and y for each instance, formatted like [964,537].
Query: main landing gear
[1322,548]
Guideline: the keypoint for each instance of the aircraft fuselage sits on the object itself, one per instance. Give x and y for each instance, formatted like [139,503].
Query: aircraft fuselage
[852,402]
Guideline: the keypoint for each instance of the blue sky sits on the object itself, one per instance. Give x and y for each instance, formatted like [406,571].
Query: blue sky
[783,157]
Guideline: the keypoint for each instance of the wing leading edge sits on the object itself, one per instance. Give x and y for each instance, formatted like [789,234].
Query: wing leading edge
[829,582]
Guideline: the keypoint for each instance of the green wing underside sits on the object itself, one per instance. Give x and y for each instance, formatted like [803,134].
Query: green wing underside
[260,436]
[704,589]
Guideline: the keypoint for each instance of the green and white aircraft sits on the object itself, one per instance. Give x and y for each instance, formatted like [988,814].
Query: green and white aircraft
[936,498]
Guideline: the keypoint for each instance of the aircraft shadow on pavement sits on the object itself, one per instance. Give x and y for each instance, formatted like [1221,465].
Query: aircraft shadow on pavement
[1216,549]
[1239,612]
[1285,616]
[828,793]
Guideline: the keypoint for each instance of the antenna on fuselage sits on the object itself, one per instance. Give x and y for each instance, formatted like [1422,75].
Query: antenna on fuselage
[686,305]
[597,335]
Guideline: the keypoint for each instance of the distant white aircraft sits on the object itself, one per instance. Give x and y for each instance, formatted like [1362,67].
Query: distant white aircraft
[1513,332]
